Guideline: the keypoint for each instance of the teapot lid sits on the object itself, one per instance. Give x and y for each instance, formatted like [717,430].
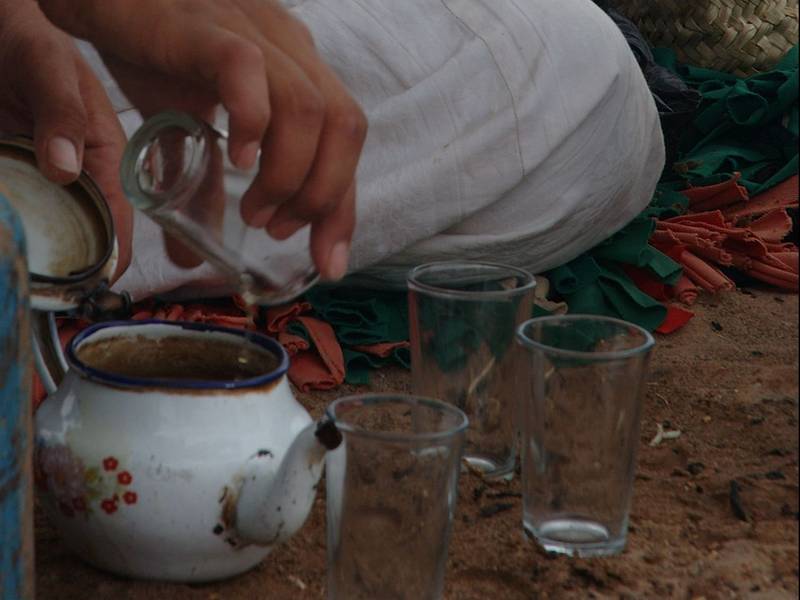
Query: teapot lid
[69,232]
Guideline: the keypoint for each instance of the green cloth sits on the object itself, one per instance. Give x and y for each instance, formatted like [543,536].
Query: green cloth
[748,125]
[630,246]
[298,329]
[594,283]
[359,364]
[451,330]
[600,287]
[360,318]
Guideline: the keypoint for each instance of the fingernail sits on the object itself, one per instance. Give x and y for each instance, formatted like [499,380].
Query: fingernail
[62,155]
[248,155]
[338,261]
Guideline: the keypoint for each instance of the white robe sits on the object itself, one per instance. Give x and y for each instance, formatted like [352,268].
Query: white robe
[511,131]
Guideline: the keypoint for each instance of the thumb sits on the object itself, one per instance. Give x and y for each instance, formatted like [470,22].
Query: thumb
[59,116]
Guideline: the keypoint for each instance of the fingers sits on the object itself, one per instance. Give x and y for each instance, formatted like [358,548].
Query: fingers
[290,144]
[330,238]
[203,42]
[227,63]
[244,93]
[260,62]
[325,195]
[307,175]
[104,143]
[51,92]
[232,66]
[331,175]
[57,110]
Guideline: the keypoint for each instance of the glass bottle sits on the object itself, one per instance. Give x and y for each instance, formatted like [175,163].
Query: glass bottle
[175,169]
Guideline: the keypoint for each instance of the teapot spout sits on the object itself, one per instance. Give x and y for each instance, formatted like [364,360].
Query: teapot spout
[271,508]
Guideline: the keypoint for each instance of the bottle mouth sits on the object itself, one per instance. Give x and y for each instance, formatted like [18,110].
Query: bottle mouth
[162,161]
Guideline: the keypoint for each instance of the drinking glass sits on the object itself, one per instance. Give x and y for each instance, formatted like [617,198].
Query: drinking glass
[391,494]
[462,318]
[581,417]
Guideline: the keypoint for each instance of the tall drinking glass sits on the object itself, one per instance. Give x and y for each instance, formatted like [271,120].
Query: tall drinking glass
[391,494]
[462,317]
[581,420]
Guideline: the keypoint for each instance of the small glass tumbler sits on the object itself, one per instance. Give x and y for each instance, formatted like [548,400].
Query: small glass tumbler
[391,494]
[462,317]
[581,422]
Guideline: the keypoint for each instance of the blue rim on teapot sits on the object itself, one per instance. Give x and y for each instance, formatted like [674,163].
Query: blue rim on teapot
[272,346]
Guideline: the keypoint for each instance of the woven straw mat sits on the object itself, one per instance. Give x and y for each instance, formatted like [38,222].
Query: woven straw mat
[739,36]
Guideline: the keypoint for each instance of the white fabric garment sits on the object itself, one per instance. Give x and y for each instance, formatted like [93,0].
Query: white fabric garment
[513,131]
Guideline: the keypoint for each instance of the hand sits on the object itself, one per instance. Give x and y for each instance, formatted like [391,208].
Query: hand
[50,93]
[260,63]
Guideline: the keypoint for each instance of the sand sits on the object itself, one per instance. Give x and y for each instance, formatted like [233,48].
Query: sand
[728,382]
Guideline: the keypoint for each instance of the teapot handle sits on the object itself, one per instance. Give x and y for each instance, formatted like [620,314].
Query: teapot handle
[47,353]
[51,364]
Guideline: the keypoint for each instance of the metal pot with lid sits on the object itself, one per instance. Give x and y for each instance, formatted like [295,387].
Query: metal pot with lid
[72,251]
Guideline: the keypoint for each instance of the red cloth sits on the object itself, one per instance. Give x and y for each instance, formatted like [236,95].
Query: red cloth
[711,197]
[783,195]
[696,269]
[685,290]
[327,347]
[308,372]
[224,316]
[723,227]
[788,258]
[732,199]
[292,343]
[651,286]
[676,318]
[278,317]
[718,230]
[772,226]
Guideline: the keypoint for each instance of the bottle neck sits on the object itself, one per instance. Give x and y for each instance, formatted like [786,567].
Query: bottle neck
[165,161]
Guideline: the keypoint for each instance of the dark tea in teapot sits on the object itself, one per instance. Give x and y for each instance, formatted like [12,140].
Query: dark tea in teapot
[177,358]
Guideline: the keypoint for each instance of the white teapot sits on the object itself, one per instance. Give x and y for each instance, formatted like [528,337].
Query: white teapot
[176,478]
[169,451]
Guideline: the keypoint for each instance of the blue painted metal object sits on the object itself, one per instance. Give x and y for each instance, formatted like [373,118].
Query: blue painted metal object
[16,493]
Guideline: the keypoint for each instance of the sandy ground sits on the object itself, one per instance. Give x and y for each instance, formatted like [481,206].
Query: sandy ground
[728,382]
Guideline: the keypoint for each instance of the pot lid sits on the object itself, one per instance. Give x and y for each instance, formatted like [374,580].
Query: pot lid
[69,232]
